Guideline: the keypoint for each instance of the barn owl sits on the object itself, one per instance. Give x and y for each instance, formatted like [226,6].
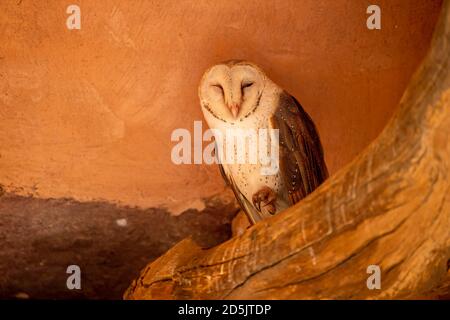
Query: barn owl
[238,95]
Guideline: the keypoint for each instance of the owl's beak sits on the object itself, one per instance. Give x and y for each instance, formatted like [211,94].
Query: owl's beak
[234,108]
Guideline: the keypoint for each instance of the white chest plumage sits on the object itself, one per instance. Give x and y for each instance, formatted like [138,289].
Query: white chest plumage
[247,176]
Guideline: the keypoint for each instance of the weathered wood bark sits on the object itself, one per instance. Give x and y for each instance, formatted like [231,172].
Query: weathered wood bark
[389,207]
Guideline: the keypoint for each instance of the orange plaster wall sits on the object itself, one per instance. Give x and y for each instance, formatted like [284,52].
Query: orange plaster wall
[88,113]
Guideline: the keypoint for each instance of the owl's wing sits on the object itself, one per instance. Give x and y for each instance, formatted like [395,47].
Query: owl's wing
[302,163]
[251,212]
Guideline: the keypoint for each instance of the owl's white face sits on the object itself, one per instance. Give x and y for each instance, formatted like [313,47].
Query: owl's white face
[231,91]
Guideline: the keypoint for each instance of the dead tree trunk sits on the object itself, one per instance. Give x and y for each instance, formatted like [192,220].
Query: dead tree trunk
[390,207]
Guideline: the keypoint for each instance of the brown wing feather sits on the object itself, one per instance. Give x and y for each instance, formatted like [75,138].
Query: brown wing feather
[302,162]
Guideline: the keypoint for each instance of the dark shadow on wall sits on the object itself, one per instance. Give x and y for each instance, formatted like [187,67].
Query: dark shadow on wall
[40,238]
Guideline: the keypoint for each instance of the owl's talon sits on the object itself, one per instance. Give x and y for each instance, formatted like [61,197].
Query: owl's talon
[265,198]
[270,208]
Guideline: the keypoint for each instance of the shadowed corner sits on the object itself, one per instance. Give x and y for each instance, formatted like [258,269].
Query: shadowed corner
[111,244]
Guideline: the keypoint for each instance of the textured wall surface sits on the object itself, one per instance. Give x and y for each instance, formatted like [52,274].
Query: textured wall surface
[86,117]
[88,113]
